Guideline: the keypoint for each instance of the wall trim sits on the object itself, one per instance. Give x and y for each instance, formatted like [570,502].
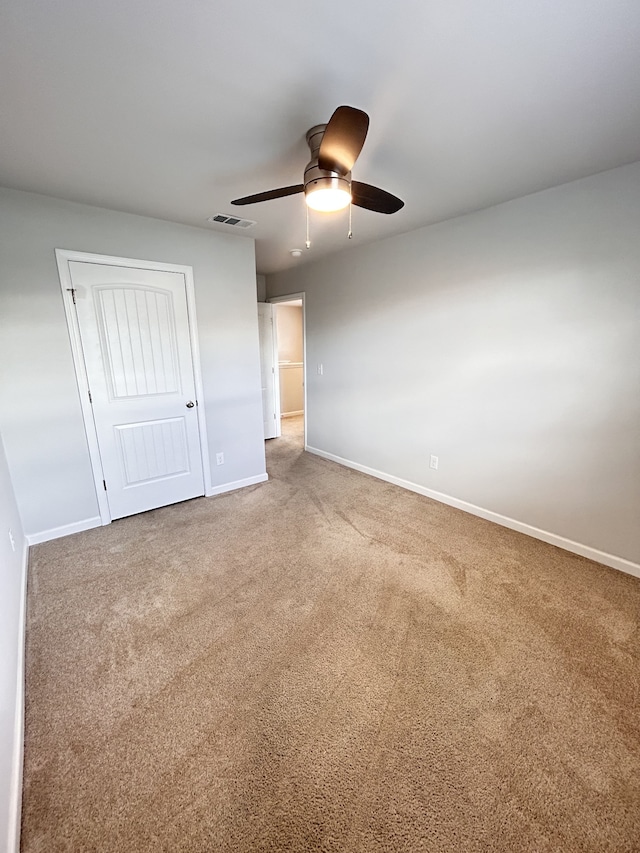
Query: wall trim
[610,560]
[15,786]
[237,484]
[65,530]
[291,414]
[96,521]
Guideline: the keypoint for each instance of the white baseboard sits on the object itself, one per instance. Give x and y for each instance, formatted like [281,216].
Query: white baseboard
[237,484]
[65,530]
[291,414]
[15,785]
[552,538]
[96,521]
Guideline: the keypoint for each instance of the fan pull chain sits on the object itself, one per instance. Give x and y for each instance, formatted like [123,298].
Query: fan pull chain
[350,234]
[308,243]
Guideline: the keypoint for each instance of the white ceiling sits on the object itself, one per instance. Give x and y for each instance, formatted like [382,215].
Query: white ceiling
[171,108]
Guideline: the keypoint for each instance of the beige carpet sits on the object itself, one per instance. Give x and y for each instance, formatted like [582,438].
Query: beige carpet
[325,662]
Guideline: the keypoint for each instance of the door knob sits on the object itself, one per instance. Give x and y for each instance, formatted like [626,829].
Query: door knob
[190,404]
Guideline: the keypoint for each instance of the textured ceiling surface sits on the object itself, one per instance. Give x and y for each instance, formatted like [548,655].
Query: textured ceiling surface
[171,109]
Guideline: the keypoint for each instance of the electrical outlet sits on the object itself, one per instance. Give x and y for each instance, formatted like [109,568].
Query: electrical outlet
[320,370]
[12,540]
[219,458]
[433,462]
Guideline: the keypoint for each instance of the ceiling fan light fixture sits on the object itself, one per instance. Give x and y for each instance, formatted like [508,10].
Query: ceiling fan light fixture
[327,186]
[328,194]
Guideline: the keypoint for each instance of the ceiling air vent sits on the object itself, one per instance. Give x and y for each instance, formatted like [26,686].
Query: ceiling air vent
[235,221]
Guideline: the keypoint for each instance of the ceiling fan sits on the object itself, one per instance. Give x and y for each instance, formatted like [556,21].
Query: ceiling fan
[327,177]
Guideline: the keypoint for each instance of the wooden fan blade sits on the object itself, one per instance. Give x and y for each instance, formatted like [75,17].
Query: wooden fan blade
[343,140]
[373,198]
[269,194]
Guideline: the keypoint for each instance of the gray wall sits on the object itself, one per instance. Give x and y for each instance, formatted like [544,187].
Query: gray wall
[12,569]
[506,342]
[40,416]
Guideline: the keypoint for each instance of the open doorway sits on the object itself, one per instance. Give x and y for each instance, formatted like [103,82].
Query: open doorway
[289,323]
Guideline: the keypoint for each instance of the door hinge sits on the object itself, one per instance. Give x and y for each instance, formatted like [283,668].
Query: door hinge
[89,393]
[104,483]
[72,291]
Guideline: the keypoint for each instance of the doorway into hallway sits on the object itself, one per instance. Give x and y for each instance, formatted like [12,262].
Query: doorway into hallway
[289,327]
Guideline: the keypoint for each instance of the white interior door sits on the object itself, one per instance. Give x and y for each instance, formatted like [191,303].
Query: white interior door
[134,330]
[268,371]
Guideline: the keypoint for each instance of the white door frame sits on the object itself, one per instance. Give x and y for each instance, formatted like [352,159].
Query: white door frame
[288,298]
[274,369]
[63,257]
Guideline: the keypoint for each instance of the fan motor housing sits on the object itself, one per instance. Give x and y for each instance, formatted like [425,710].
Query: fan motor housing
[314,176]
[314,138]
